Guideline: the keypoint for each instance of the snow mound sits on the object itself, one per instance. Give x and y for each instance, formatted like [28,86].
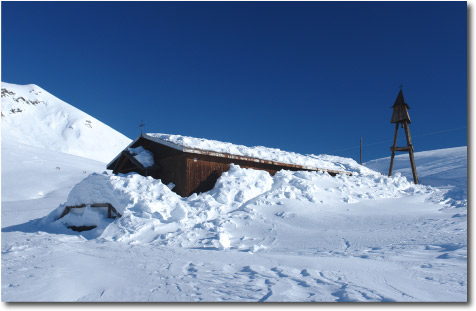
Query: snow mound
[32,116]
[234,214]
[258,152]
[145,157]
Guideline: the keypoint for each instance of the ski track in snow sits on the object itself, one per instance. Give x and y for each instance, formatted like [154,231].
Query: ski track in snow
[78,270]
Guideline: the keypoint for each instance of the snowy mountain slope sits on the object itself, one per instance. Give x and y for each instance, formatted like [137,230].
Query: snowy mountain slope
[446,169]
[32,116]
[35,180]
[440,167]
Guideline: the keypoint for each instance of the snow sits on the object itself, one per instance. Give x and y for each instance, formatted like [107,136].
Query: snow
[443,168]
[52,169]
[32,116]
[295,236]
[145,157]
[192,144]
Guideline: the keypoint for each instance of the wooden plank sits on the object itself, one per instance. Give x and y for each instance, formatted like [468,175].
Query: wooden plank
[400,148]
[173,169]
[115,211]
[110,209]
[200,172]
[65,211]
[254,161]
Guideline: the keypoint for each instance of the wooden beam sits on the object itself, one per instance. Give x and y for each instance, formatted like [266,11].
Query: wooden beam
[400,148]
[410,152]
[133,160]
[119,166]
[393,149]
[110,209]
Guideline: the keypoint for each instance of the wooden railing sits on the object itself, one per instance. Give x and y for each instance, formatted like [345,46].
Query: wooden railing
[110,209]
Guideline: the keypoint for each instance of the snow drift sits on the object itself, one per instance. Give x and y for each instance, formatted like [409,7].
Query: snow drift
[32,116]
[234,214]
[295,236]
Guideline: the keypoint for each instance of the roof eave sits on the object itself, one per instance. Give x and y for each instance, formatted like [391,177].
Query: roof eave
[128,146]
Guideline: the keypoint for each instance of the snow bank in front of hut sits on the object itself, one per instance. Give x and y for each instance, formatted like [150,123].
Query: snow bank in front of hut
[259,152]
[237,213]
[145,157]
[133,196]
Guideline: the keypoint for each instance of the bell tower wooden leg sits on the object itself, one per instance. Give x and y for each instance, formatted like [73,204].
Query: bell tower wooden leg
[393,150]
[410,152]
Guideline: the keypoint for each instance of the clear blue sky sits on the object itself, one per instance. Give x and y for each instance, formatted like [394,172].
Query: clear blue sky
[309,77]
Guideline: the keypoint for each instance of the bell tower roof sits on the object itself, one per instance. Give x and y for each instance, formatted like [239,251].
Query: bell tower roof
[400,100]
[400,109]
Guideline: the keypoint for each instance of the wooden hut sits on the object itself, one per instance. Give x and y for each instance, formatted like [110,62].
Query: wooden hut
[191,169]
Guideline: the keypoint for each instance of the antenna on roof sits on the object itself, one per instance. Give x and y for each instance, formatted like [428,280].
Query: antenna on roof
[401,86]
[141,126]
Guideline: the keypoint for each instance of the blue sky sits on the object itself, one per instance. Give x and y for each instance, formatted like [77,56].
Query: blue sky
[309,77]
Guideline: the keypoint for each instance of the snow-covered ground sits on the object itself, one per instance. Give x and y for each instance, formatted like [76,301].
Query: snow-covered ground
[295,236]
[446,169]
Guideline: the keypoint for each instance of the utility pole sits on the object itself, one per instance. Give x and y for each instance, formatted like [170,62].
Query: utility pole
[360,150]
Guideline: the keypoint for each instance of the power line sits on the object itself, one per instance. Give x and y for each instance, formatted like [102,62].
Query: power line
[391,140]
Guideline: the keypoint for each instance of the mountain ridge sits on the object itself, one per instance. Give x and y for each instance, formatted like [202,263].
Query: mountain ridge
[33,116]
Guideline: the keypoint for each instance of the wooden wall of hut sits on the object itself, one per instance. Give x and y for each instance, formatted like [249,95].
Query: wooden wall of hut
[195,172]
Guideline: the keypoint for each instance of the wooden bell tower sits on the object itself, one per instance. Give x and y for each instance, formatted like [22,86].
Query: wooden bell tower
[401,117]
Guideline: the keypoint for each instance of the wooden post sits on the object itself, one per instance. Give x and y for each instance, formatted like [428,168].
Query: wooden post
[393,150]
[360,150]
[410,152]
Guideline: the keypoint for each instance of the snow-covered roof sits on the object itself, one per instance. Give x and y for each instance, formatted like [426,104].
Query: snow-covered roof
[218,148]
